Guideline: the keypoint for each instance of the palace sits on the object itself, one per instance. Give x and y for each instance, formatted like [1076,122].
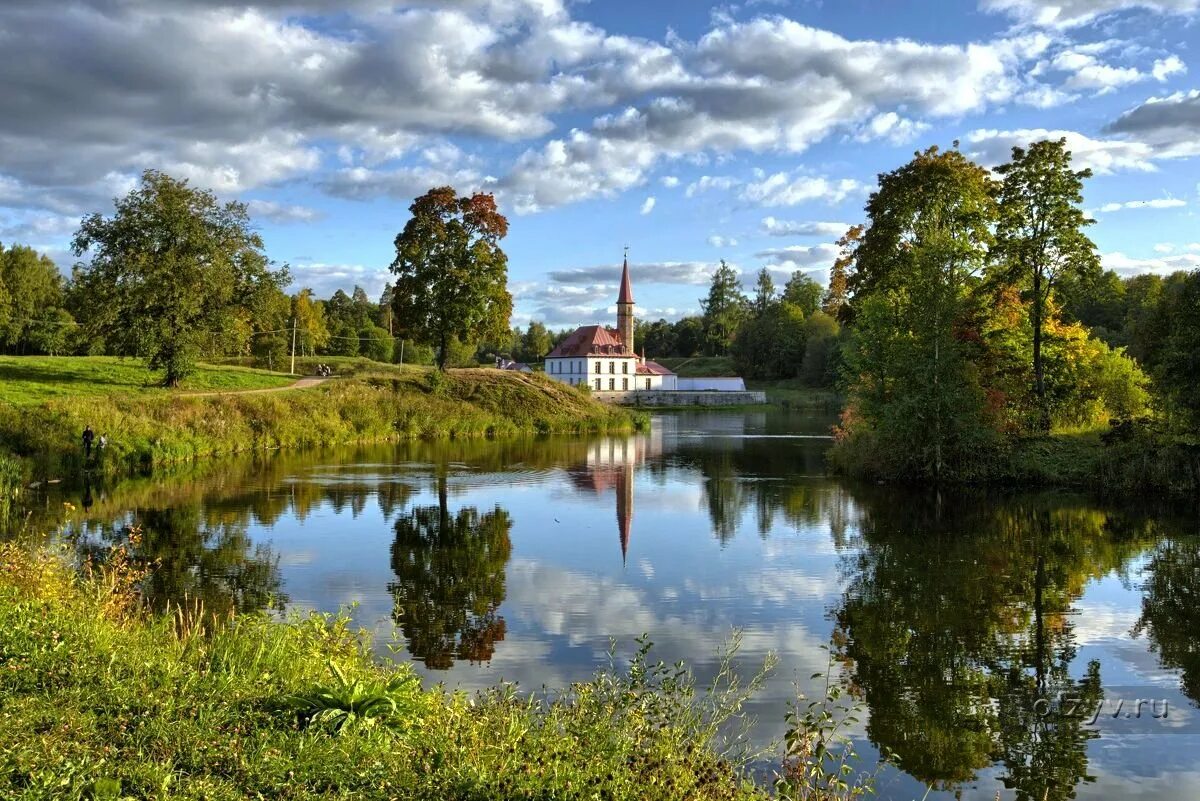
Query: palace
[603,358]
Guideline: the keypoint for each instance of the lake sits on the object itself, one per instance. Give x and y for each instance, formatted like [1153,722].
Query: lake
[981,632]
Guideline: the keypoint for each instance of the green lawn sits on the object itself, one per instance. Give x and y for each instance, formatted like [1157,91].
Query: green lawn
[28,380]
[699,366]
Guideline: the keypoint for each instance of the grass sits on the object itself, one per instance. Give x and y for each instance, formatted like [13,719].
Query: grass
[792,393]
[148,429]
[30,380]
[102,700]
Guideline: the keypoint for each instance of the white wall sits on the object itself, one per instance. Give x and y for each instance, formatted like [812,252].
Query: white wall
[720,384]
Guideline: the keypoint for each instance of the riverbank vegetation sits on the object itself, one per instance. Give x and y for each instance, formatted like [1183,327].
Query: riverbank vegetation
[104,700]
[969,356]
[150,428]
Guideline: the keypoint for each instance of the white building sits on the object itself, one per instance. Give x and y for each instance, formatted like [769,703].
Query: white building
[603,358]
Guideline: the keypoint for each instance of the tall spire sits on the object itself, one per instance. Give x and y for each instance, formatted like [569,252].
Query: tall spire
[626,293]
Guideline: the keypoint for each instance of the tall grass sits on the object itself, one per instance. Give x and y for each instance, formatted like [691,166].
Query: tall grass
[148,432]
[103,700]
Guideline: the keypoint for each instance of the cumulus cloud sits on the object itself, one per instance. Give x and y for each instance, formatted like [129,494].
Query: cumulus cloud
[1073,13]
[648,205]
[776,227]
[401,183]
[281,212]
[1171,124]
[1127,265]
[325,279]
[718,241]
[800,256]
[792,189]
[1103,156]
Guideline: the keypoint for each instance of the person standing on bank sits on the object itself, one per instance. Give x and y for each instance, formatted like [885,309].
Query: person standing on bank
[88,437]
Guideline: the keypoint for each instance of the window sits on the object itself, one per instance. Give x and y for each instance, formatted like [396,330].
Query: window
[647,383]
[625,383]
[597,384]
[612,384]
[612,367]
[624,367]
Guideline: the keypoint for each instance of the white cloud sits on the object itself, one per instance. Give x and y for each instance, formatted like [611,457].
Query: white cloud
[776,227]
[800,256]
[1127,265]
[668,272]
[325,279]
[648,205]
[1103,156]
[281,212]
[1166,67]
[1157,203]
[718,241]
[783,189]
[1164,248]
[401,183]
[1072,13]
[670,181]
[706,182]
[890,126]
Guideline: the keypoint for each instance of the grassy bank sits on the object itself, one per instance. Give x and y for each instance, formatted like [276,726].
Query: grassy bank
[146,428]
[31,380]
[103,701]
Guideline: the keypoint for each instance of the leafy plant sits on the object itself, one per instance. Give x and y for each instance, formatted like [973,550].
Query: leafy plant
[354,702]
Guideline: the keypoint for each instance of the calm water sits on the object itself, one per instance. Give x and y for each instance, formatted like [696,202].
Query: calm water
[960,621]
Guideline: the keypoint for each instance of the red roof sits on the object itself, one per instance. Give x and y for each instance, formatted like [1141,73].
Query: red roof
[626,293]
[590,340]
[652,368]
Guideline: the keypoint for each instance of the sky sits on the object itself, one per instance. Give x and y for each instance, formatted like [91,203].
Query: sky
[689,131]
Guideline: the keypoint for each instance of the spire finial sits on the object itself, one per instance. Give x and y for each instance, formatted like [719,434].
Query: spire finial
[627,255]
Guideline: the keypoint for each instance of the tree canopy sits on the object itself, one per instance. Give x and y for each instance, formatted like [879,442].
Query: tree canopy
[451,275]
[170,273]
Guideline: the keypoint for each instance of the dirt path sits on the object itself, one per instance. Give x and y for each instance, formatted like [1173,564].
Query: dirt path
[303,383]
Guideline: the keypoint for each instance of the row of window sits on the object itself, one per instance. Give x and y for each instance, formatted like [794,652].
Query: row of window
[597,384]
[558,366]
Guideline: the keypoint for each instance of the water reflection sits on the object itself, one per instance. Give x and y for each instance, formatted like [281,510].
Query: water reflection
[955,617]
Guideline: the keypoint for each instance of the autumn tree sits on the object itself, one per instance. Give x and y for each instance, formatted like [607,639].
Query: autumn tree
[837,295]
[451,275]
[308,319]
[1040,238]
[171,270]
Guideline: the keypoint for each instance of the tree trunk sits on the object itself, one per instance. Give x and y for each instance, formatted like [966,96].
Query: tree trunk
[1039,378]
[442,353]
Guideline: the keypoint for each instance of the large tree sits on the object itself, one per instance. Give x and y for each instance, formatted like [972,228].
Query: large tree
[170,272]
[1039,236]
[724,310]
[451,275]
[30,288]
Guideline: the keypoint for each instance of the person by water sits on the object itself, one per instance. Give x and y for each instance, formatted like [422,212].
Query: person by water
[88,437]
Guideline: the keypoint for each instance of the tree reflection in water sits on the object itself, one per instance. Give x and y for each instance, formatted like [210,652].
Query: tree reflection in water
[955,627]
[1171,609]
[450,580]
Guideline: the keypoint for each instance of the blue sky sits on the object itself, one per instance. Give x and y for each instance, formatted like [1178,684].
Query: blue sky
[690,131]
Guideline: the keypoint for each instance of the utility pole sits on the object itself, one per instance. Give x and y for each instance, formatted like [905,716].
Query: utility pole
[402,353]
[293,346]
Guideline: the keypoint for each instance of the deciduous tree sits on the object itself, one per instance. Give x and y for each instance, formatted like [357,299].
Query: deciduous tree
[169,271]
[451,275]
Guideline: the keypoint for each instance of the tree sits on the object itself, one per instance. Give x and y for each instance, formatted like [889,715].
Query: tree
[451,275]
[30,286]
[771,345]
[820,346]
[802,291]
[168,269]
[689,336]
[724,309]
[375,343]
[1039,235]
[308,317]
[53,332]
[535,342]
[913,388]
[837,295]
[764,292]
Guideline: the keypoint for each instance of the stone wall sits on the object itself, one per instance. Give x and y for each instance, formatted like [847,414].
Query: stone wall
[653,397]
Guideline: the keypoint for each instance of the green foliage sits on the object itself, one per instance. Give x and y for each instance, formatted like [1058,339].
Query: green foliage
[31,300]
[1040,239]
[170,273]
[725,308]
[770,345]
[107,700]
[375,343]
[803,292]
[451,274]
[350,703]
[821,356]
[764,292]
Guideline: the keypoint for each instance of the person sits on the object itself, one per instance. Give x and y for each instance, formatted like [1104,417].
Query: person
[102,443]
[88,437]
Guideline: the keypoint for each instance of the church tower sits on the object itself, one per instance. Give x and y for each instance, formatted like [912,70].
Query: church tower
[625,308]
